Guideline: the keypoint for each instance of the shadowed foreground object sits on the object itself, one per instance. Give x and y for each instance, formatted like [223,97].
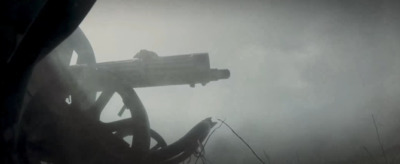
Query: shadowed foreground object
[28,32]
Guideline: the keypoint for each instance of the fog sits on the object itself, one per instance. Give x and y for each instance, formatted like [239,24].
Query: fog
[306,76]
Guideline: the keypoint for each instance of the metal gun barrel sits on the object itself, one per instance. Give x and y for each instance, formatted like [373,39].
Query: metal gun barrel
[156,71]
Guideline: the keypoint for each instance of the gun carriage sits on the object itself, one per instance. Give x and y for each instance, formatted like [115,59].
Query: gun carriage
[38,124]
[80,115]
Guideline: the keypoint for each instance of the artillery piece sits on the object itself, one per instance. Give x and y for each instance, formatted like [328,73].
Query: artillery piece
[58,131]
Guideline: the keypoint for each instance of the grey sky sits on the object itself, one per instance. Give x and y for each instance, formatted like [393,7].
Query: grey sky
[305,75]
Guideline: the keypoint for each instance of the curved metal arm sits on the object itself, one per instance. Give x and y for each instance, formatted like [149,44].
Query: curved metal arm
[185,146]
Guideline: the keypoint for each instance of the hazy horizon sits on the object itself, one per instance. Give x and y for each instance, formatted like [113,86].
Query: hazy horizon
[306,76]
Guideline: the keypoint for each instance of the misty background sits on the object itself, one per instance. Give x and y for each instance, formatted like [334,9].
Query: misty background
[306,76]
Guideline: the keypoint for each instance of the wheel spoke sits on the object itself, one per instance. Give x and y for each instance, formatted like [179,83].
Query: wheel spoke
[96,109]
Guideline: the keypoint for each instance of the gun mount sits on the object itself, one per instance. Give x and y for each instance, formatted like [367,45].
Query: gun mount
[83,114]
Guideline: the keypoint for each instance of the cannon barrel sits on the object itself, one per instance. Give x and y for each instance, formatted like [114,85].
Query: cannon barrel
[153,71]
